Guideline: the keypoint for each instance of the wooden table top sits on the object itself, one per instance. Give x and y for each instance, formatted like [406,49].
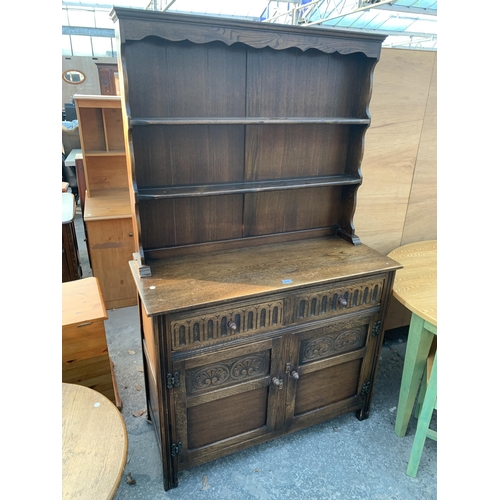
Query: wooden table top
[415,285]
[94,444]
[82,301]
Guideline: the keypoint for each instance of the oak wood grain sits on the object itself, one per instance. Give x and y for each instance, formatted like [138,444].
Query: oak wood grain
[94,444]
[136,24]
[186,281]
[415,285]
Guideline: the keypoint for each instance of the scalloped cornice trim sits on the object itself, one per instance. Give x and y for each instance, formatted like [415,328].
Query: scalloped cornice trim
[138,24]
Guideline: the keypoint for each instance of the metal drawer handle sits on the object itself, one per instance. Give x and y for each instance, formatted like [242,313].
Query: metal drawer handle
[342,301]
[232,325]
[295,375]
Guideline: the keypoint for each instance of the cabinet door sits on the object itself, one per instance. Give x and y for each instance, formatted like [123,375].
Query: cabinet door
[330,368]
[111,248]
[226,400]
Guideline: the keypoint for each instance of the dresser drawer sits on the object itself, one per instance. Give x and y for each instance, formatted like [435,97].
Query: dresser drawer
[333,300]
[208,326]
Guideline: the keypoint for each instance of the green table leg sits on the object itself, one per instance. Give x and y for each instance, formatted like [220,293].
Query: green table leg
[424,419]
[417,349]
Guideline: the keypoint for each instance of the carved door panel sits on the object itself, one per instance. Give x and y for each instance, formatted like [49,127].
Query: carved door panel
[226,398]
[329,369]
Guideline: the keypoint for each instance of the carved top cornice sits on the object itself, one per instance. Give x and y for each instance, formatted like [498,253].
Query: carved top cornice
[137,24]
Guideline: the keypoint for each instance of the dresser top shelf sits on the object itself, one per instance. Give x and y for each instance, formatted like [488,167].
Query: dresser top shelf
[181,282]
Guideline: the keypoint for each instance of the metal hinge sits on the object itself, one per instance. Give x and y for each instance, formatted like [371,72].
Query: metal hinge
[173,380]
[176,449]
[376,328]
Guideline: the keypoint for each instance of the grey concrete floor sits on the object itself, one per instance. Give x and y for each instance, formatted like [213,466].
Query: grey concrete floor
[339,459]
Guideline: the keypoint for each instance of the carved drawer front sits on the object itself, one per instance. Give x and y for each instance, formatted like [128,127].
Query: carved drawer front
[217,324]
[341,298]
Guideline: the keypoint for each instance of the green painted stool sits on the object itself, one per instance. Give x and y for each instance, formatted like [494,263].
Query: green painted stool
[415,287]
[420,337]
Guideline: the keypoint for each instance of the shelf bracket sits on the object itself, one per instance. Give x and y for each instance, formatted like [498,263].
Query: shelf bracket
[141,268]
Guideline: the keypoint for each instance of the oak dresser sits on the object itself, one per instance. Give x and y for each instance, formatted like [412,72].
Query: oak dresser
[261,311]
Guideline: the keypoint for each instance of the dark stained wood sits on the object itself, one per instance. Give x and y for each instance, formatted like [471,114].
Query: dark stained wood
[107,73]
[189,281]
[214,422]
[292,210]
[138,122]
[195,80]
[309,84]
[258,301]
[340,381]
[295,151]
[71,268]
[192,220]
[138,24]
[243,187]
[173,156]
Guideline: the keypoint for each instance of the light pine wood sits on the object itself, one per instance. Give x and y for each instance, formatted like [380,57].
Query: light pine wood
[106,172]
[415,285]
[421,218]
[111,247]
[110,231]
[112,204]
[94,444]
[97,101]
[82,301]
[85,358]
[400,103]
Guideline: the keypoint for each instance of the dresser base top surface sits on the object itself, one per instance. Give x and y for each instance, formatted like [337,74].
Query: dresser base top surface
[182,282]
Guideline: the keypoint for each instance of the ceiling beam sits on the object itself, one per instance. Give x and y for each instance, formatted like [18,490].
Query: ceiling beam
[360,9]
[408,10]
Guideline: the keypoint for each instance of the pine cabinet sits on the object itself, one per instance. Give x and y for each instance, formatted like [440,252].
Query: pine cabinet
[261,311]
[107,210]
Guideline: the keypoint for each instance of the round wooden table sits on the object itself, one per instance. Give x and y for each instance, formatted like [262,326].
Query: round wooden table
[415,286]
[94,444]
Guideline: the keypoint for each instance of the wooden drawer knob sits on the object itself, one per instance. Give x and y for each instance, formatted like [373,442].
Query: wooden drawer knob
[277,381]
